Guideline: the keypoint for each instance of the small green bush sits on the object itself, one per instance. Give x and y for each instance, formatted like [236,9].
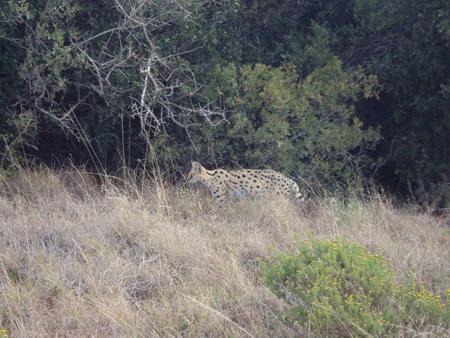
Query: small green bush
[341,289]
[3,333]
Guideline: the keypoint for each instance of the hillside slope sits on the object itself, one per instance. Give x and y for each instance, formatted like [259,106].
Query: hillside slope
[80,261]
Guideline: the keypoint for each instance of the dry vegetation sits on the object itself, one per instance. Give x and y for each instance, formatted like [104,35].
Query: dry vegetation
[80,261]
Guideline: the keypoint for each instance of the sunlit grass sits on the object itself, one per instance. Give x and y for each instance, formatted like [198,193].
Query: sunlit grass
[82,259]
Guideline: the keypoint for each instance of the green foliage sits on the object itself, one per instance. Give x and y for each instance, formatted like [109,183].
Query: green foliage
[296,77]
[305,127]
[3,333]
[341,289]
[67,64]
[17,131]
[406,45]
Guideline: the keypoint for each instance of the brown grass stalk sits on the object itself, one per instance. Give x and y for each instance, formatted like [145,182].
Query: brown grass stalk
[78,259]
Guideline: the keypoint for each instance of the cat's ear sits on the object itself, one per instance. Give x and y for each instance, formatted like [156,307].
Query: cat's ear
[196,166]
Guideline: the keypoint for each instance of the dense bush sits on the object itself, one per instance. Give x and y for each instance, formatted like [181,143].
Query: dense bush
[110,83]
[341,289]
[304,127]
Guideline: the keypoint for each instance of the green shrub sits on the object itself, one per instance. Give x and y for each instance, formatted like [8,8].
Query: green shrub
[341,289]
[3,333]
[303,126]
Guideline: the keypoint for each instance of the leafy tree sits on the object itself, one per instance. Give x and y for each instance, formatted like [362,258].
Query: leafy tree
[97,77]
[305,127]
[112,82]
[407,44]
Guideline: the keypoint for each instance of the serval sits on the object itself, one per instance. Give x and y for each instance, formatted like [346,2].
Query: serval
[235,184]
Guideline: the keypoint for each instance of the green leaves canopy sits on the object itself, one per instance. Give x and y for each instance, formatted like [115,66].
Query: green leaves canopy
[305,127]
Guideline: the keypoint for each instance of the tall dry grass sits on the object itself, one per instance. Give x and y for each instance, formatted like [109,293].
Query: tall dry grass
[80,260]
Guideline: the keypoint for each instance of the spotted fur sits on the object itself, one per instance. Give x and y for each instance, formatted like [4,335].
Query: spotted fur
[225,184]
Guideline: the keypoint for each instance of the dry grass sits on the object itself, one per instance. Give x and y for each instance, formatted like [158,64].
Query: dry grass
[80,261]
